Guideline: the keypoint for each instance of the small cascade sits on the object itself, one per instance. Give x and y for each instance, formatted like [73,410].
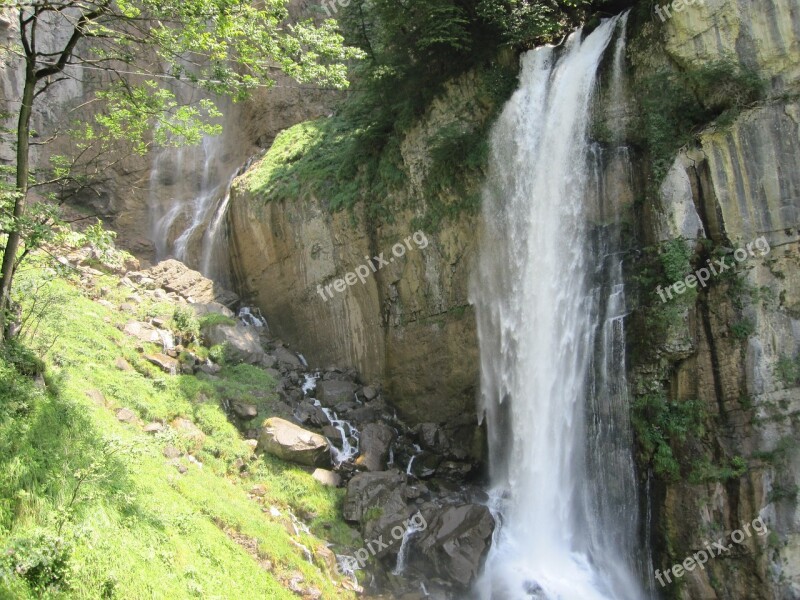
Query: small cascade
[252,317]
[405,544]
[347,432]
[417,452]
[310,382]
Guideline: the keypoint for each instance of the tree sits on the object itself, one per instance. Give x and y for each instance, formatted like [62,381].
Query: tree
[226,46]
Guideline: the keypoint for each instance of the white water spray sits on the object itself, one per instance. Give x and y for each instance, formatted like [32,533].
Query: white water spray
[539,308]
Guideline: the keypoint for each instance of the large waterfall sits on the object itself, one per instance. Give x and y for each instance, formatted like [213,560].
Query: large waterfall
[189,195]
[550,305]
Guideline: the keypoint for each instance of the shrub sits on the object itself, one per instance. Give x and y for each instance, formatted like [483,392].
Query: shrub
[41,558]
[185,324]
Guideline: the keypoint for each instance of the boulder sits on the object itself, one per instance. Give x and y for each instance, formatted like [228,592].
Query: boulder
[376,438]
[144,332]
[165,363]
[292,443]
[287,358]
[372,493]
[242,343]
[190,432]
[245,411]
[332,391]
[370,393]
[174,276]
[126,415]
[211,308]
[327,478]
[454,543]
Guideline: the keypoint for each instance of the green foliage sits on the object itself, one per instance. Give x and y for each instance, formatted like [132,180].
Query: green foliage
[218,354]
[22,358]
[676,257]
[131,523]
[704,470]
[674,105]
[779,493]
[40,557]
[743,329]
[212,319]
[662,426]
[185,324]
[525,23]
[787,370]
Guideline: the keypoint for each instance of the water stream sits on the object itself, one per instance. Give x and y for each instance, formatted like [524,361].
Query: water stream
[550,305]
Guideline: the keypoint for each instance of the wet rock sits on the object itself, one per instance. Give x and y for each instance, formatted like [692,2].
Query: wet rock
[457,471]
[454,543]
[309,414]
[376,491]
[245,411]
[287,358]
[370,393]
[292,443]
[331,392]
[376,439]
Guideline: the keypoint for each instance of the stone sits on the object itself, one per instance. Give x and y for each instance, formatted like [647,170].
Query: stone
[144,332]
[370,393]
[454,543]
[292,443]
[153,427]
[122,364]
[174,276]
[190,432]
[126,415]
[327,478]
[332,392]
[376,439]
[165,363]
[171,452]
[242,344]
[244,410]
[97,397]
[287,357]
[371,490]
[211,308]
[127,307]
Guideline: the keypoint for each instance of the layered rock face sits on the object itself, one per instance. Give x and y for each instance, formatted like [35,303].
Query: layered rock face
[734,194]
[409,323]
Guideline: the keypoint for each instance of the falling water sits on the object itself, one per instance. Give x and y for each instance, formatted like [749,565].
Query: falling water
[550,306]
[189,196]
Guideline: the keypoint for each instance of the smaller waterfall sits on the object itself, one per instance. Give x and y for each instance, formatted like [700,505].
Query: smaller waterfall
[405,544]
[347,432]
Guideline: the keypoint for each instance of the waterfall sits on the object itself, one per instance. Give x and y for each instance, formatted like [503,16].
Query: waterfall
[550,306]
[189,196]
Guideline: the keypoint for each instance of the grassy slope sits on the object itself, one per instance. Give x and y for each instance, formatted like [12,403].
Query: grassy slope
[137,527]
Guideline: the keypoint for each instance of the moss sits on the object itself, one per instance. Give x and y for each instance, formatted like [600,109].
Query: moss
[675,105]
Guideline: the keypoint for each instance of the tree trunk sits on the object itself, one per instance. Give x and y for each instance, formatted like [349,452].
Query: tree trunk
[23,173]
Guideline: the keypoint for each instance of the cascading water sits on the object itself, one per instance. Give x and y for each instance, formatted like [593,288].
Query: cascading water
[187,212]
[550,306]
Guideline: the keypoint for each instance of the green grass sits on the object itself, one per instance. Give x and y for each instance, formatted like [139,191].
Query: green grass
[92,508]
